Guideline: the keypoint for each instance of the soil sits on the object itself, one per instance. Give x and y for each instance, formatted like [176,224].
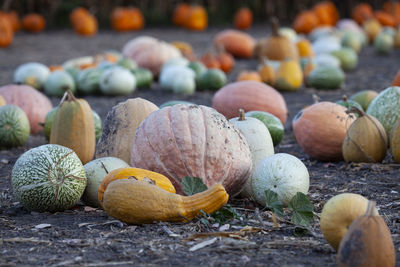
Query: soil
[84,236]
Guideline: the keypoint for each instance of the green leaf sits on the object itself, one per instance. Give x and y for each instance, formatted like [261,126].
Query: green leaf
[193,185]
[225,213]
[300,231]
[302,209]
[273,202]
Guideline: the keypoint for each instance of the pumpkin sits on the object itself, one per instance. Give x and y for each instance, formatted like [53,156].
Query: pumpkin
[73,127]
[117,81]
[304,48]
[212,79]
[196,18]
[338,213]
[249,95]
[395,142]
[14,126]
[326,77]
[175,102]
[88,81]
[180,13]
[372,28]
[205,145]
[352,41]
[243,18]
[364,98]
[33,23]
[273,124]
[14,19]
[76,14]
[367,242]
[210,60]
[226,61]
[120,127]
[86,25]
[276,47]
[58,83]
[96,170]
[35,104]
[366,139]
[326,12]
[362,12]
[133,173]
[144,77]
[32,73]
[249,76]
[289,76]
[305,22]
[235,42]
[320,130]
[6,32]
[383,43]
[267,72]
[127,19]
[137,202]
[169,75]
[385,19]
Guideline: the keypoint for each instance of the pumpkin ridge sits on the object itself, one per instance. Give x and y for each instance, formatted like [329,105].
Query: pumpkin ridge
[205,144]
[380,133]
[362,151]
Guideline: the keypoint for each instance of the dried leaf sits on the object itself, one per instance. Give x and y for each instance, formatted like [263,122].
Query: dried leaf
[43,225]
[203,244]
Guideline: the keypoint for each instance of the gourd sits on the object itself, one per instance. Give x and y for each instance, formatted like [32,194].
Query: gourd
[48,178]
[133,173]
[288,33]
[198,68]
[184,85]
[88,81]
[267,72]
[352,41]
[364,98]
[326,60]
[304,48]
[367,242]
[289,76]
[320,130]
[144,77]
[120,126]
[235,42]
[395,142]
[14,126]
[249,95]
[73,127]
[32,73]
[365,140]
[127,63]
[137,202]
[58,83]
[338,213]
[348,103]
[243,18]
[127,19]
[326,77]
[185,48]
[170,74]
[96,170]
[35,104]
[205,145]
[211,79]
[347,57]
[249,76]
[33,23]
[86,25]
[383,43]
[226,60]
[326,12]
[384,18]
[117,81]
[372,28]
[273,124]
[326,44]
[6,33]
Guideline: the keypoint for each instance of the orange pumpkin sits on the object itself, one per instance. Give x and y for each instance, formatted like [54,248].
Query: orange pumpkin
[86,25]
[249,76]
[12,16]
[362,12]
[235,42]
[226,61]
[327,13]
[33,22]
[127,19]
[393,8]
[243,19]
[396,80]
[196,19]
[305,22]
[385,19]
[180,14]
[76,14]
[210,60]
[6,32]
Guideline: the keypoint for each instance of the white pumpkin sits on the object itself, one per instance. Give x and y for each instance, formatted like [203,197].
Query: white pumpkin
[185,85]
[32,73]
[95,171]
[176,61]
[117,81]
[169,74]
[282,173]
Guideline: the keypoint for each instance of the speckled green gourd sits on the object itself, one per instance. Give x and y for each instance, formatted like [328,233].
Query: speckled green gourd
[274,125]
[48,178]
[14,126]
[144,77]
[88,81]
[326,77]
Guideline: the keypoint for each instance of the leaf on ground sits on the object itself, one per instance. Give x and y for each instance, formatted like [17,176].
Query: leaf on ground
[302,209]
[273,202]
[193,185]
[225,213]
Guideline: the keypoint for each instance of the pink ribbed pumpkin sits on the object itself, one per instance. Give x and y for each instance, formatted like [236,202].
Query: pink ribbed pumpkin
[35,104]
[249,95]
[191,140]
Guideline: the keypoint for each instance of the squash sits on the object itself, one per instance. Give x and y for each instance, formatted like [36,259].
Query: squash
[249,76]
[243,18]
[304,48]
[14,126]
[196,141]
[133,173]
[48,178]
[144,77]
[210,60]
[196,18]
[88,81]
[273,124]
[170,74]
[366,139]
[32,73]
[352,41]
[184,85]
[395,142]
[367,242]
[384,18]
[127,63]
[198,68]
[282,173]
[120,126]
[127,19]
[383,43]
[185,48]
[372,28]
[178,61]
[33,22]
[235,42]
[307,66]
[348,58]
[35,104]
[86,25]
[364,98]
[362,12]
[338,213]
[226,61]
[288,33]
[137,202]
[96,170]
[326,60]
[6,32]
[267,72]
[289,76]
[326,77]
[211,79]
[326,44]
[73,127]
[249,95]
[180,13]
[117,81]
[320,130]
[305,22]
[58,83]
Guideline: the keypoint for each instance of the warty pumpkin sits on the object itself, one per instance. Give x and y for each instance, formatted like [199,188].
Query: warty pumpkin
[33,23]
[237,43]
[73,127]
[6,32]
[243,18]
[134,173]
[192,140]
[138,202]
[127,19]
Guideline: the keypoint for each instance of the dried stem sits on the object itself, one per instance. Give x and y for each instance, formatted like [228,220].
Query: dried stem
[241,115]
[355,110]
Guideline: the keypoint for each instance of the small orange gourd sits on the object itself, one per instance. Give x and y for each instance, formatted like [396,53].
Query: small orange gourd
[33,23]
[243,18]
[138,202]
[226,61]
[249,76]
[210,60]
[86,25]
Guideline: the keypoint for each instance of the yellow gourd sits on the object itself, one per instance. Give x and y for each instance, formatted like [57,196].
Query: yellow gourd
[304,48]
[289,76]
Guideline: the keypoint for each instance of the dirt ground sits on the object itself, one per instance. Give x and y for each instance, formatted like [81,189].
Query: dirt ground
[86,237]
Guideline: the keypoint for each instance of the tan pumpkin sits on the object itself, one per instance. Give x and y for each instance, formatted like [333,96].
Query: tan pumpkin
[134,173]
[267,72]
[73,127]
[120,126]
[235,42]
[320,130]
[249,95]
[138,202]
[191,140]
[35,104]
[367,242]
[249,76]
[276,47]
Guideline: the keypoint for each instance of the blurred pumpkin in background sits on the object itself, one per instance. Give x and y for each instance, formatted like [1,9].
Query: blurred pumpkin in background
[243,19]
[386,19]
[362,12]
[6,32]
[305,22]
[196,18]
[327,13]
[127,19]
[33,23]
[180,13]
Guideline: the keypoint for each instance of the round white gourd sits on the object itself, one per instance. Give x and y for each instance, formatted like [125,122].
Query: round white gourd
[282,173]
[33,73]
[117,81]
[170,73]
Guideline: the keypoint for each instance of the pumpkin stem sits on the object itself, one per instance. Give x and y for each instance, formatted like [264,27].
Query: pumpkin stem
[241,115]
[275,26]
[345,98]
[70,96]
[355,110]
[371,211]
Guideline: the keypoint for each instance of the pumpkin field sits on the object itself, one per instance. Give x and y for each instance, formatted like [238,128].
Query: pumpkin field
[253,142]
